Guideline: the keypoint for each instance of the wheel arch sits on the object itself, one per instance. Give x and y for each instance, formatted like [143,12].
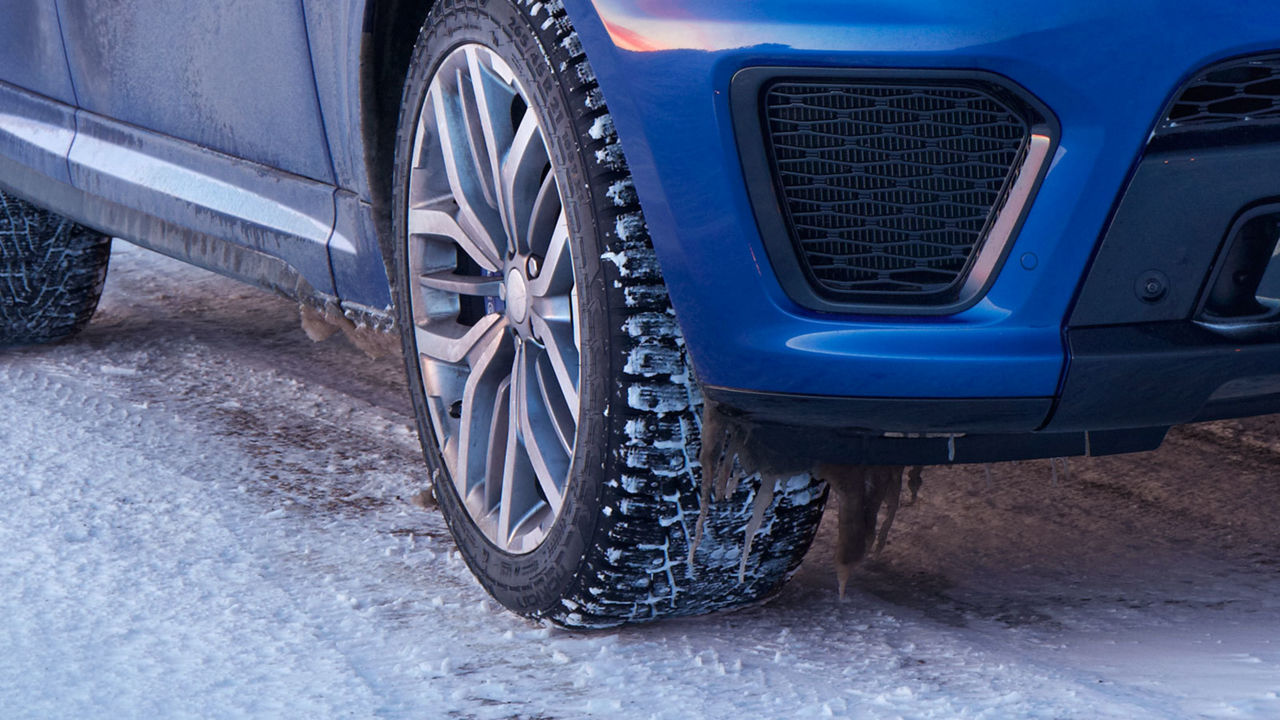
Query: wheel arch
[389,31]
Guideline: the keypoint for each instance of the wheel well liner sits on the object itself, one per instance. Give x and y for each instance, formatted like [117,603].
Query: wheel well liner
[390,29]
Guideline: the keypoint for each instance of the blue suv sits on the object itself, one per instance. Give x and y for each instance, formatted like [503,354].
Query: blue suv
[664,271]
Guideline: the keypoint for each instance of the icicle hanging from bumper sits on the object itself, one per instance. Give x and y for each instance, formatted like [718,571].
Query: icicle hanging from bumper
[730,454]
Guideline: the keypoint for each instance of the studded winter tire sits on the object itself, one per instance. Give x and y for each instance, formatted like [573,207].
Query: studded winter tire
[51,274]
[556,408]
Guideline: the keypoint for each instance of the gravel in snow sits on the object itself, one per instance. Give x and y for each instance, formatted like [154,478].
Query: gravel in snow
[205,514]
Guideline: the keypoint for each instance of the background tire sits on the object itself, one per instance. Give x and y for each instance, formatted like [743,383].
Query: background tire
[622,547]
[51,274]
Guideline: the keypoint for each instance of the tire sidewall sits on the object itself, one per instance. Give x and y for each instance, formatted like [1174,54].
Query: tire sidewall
[533,582]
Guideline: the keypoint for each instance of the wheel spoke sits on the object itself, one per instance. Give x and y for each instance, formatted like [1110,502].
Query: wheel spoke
[561,418]
[472,130]
[477,211]
[528,529]
[564,357]
[554,309]
[440,224]
[556,276]
[488,362]
[443,383]
[449,281]
[492,115]
[511,458]
[522,176]
[550,463]
[545,216]
[447,341]
[500,441]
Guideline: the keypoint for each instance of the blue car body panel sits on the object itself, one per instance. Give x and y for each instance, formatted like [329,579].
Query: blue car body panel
[203,132]
[240,123]
[31,53]
[36,133]
[1106,69]
[230,76]
[208,193]
[335,29]
[335,33]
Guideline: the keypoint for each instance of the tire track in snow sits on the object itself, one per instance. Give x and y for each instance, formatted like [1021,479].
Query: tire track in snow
[250,452]
[98,424]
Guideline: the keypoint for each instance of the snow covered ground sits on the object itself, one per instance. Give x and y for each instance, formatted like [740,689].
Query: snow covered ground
[204,514]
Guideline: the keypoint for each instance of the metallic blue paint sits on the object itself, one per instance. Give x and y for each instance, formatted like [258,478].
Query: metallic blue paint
[232,76]
[36,133]
[335,30]
[243,128]
[205,193]
[1106,69]
[359,274]
[335,35]
[31,53]
[224,213]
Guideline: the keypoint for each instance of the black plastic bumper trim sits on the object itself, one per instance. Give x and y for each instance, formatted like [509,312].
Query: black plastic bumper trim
[1165,374]
[851,448]
[1173,219]
[914,431]
[880,415]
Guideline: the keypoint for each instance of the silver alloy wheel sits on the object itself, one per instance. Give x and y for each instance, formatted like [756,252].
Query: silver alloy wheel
[494,298]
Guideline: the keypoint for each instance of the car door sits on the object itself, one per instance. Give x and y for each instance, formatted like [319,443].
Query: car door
[31,54]
[204,116]
[36,118]
[231,75]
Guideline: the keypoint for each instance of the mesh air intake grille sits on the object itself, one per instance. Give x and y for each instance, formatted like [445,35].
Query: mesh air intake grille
[889,189]
[1238,93]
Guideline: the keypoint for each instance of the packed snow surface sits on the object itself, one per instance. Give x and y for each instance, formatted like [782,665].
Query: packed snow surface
[207,515]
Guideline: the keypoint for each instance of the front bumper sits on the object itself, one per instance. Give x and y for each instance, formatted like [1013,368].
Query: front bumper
[1177,320]
[1104,69]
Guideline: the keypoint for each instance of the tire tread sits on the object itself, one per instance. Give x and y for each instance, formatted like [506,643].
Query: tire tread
[51,274]
[640,567]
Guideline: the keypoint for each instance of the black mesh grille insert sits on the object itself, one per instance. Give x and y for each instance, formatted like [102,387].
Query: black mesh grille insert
[889,189]
[1238,93]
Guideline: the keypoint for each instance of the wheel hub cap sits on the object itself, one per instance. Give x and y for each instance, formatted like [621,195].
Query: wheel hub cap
[517,296]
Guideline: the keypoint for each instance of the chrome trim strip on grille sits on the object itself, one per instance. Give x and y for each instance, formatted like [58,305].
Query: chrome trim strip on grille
[1002,232]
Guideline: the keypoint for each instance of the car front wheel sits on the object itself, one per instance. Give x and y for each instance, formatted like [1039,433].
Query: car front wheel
[554,399]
